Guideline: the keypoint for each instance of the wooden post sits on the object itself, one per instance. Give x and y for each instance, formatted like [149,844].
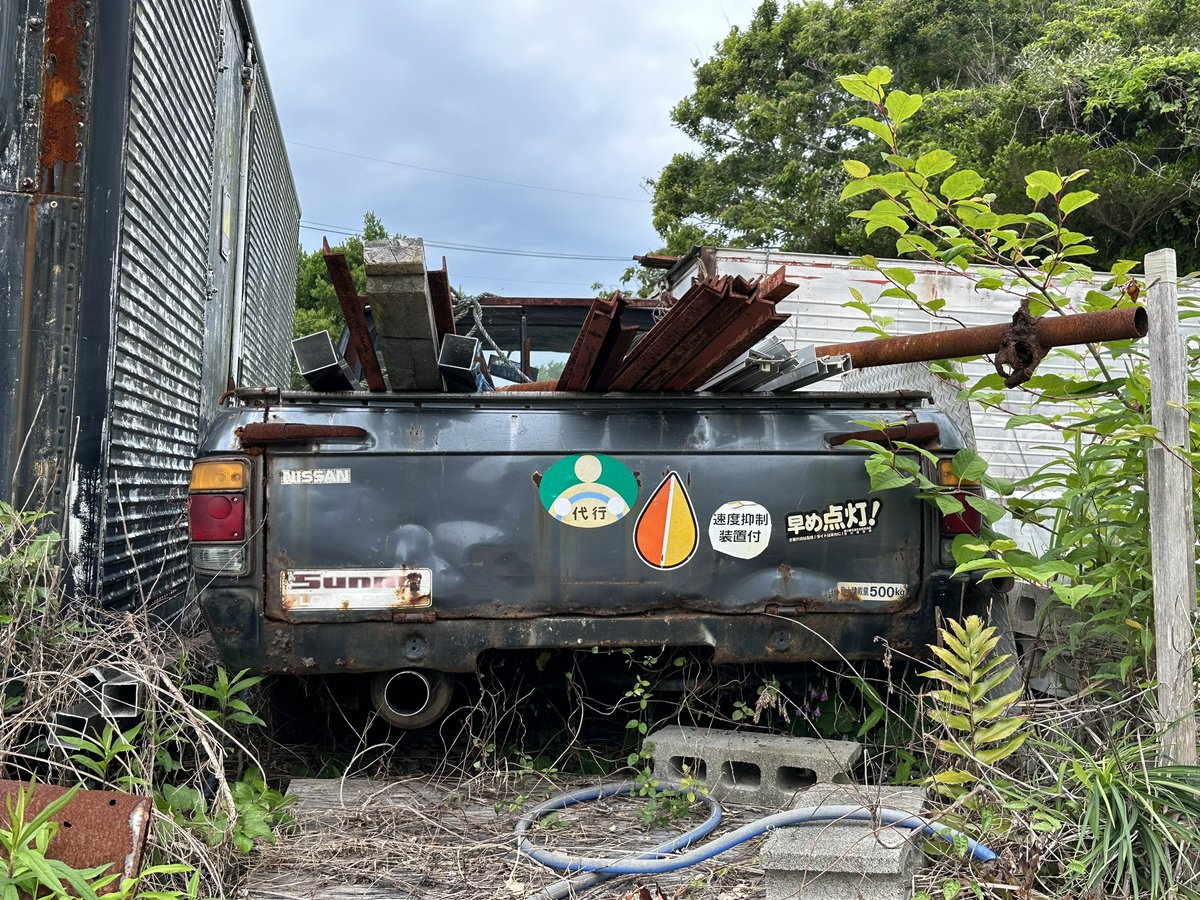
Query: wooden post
[1172,529]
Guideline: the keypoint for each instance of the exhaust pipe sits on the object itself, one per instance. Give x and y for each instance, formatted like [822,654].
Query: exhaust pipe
[411,698]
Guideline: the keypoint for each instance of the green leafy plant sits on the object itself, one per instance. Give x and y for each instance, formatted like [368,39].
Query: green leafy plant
[98,754]
[1089,499]
[978,730]
[225,691]
[257,811]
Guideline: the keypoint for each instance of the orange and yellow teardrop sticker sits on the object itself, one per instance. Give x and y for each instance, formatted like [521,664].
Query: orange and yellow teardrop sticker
[667,533]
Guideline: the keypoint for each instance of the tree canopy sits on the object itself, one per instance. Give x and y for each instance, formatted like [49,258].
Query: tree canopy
[1010,86]
[317,306]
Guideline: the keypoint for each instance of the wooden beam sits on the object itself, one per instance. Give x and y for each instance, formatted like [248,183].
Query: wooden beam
[1172,528]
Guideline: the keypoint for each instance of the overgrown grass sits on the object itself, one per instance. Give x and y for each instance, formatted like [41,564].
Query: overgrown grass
[189,747]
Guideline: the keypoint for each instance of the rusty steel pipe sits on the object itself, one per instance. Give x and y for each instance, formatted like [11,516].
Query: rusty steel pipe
[1060,331]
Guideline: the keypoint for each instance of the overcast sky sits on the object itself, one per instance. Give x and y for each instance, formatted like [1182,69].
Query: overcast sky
[571,96]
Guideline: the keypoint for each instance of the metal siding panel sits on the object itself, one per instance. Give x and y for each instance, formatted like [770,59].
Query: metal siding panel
[161,295]
[273,220]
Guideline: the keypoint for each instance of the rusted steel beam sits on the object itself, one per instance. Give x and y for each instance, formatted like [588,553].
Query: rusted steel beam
[97,828]
[911,432]
[685,315]
[354,312]
[608,366]
[656,261]
[256,434]
[707,341]
[63,94]
[687,347]
[564,302]
[758,320]
[1058,331]
[774,287]
[600,321]
[530,386]
[443,301]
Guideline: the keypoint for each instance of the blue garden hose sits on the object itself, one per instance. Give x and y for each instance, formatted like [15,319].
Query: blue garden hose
[661,858]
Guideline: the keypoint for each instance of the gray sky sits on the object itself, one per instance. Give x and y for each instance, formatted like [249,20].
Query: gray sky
[572,96]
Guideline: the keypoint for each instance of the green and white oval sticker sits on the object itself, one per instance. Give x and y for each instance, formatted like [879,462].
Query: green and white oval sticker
[588,490]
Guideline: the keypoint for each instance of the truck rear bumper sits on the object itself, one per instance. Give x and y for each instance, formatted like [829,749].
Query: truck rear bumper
[248,640]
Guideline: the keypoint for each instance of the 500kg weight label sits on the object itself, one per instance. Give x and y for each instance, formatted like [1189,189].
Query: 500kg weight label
[871,590]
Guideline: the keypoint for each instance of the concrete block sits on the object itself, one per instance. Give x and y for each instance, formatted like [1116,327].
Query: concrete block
[846,861]
[398,291]
[395,256]
[764,770]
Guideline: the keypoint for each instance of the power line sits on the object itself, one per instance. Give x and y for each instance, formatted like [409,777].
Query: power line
[474,248]
[520,184]
[502,278]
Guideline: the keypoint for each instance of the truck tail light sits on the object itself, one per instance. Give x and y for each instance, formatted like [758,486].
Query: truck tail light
[969,520]
[217,515]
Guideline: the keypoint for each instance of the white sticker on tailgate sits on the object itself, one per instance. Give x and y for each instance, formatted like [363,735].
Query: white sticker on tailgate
[347,589]
[870,590]
[314,476]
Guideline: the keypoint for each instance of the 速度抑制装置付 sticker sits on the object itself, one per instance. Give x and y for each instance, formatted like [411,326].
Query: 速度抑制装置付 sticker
[667,533]
[740,528]
[836,520]
[588,490]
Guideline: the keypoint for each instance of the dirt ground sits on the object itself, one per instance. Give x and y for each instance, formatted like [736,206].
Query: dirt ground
[436,840]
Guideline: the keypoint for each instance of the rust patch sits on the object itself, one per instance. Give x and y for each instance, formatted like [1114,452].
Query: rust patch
[63,96]
[97,828]
[259,433]
[913,433]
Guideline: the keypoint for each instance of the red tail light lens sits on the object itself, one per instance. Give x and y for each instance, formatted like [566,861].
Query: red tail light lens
[217,517]
[969,521]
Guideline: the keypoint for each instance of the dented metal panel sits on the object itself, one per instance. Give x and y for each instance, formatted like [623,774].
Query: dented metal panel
[740,527]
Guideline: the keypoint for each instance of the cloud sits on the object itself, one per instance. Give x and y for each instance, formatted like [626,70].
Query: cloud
[575,96]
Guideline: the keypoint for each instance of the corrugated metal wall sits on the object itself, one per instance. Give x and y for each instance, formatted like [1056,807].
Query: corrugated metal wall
[273,217]
[161,292]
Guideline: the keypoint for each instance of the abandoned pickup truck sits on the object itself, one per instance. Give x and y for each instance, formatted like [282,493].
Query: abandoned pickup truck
[408,534]
[674,491]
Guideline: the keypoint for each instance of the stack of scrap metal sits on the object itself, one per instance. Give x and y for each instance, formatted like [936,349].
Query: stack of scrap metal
[600,348]
[761,363]
[706,330]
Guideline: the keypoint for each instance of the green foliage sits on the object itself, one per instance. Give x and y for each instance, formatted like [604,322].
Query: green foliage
[257,811]
[100,754]
[317,307]
[225,690]
[1005,88]
[28,561]
[1090,499]
[978,731]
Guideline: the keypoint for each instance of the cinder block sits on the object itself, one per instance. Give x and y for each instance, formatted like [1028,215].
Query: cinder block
[765,770]
[845,861]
